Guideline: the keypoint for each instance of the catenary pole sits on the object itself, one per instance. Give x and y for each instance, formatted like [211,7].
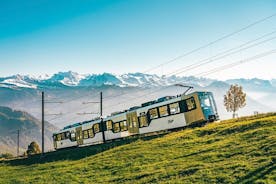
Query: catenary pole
[18,143]
[101,111]
[42,128]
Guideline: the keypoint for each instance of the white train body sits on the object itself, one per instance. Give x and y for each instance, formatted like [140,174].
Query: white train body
[164,114]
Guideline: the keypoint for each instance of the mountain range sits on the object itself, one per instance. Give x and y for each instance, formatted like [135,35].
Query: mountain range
[73,79]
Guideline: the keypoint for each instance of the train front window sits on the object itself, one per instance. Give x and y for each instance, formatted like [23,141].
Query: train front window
[205,100]
[212,100]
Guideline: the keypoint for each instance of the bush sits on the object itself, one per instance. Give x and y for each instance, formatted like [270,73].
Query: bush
[33,149]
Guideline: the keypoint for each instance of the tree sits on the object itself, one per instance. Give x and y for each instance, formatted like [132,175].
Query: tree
[33,148]
[234,99]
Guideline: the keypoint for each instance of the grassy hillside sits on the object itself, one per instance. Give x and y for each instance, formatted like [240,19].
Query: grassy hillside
[233,151]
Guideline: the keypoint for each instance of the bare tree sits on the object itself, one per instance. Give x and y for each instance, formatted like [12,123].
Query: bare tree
[234,99]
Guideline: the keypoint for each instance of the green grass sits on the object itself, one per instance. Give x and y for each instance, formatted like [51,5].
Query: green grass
[232,151]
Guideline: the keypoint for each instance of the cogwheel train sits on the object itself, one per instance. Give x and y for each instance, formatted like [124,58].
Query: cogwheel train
[166,113]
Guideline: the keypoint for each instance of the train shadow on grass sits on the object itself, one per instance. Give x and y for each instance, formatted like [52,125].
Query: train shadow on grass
[77,153]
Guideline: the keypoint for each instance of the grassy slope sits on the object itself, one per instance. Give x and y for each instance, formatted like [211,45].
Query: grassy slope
[232,151]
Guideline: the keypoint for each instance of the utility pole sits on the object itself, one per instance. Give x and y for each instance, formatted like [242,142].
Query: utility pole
[101,113]
[102,123]
[17,143]
[42,142]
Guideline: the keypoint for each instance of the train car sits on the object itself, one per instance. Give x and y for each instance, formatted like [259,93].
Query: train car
[166,113]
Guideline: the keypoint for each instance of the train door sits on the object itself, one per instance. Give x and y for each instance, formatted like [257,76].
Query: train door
[193,112]
[132,122]
[79,135]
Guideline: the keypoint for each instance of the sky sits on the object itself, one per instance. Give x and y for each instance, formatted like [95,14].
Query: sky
[123,36]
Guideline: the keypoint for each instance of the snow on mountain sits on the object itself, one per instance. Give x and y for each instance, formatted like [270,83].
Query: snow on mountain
[70,78]
[67,78]
[17,81]
[99,80]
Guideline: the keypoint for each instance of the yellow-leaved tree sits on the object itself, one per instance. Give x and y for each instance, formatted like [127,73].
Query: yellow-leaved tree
[234,99]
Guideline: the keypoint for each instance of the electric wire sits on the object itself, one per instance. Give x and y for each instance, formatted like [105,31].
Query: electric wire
[212,42]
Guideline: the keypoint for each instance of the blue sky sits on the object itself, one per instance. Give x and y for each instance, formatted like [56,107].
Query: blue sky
[121,36]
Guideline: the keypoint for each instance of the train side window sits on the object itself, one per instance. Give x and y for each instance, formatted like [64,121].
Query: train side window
[67,135]
[143,121]
[58,137]
[90,133]
[85,134]
[190,104]
[109,125]
[96,128]
[153,113]
[73,136]
[116,127]
[163,111]
[123,125]
[174,108]
[62,136]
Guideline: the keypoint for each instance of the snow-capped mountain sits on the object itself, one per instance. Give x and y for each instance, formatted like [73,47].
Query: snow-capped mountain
[66,78]
[74,79]
[18,81]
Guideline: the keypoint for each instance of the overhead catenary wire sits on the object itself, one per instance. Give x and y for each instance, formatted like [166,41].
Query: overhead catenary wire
[231,65]
[212,42]
[215,58]
[85,104]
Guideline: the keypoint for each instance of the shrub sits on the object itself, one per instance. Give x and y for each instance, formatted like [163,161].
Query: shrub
[33,149]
